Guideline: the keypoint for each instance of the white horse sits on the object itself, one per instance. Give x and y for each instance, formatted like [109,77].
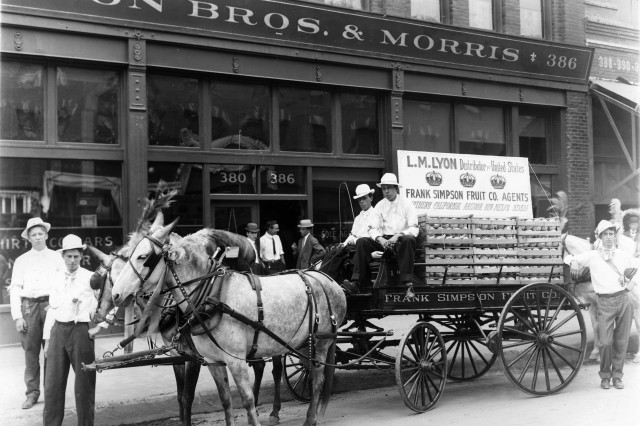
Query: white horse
[290,302]
[584,288]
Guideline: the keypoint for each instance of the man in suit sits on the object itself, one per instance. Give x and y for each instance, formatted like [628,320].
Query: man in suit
[252,230]
[308,249]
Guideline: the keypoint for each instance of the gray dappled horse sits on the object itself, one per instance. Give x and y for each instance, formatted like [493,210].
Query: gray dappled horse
[187,374]
[289,304]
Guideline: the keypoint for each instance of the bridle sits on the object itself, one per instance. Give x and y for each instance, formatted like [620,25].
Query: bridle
[104,271]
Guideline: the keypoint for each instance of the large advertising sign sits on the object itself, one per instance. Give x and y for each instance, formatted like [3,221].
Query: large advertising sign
[461,185]
[307,25]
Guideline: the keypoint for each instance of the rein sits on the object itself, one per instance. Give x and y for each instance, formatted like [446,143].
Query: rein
[105,271]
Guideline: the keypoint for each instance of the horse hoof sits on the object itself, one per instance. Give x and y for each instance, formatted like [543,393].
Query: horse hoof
[273,420]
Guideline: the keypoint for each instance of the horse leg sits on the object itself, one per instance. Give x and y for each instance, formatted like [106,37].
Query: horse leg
[179,373]
[220,377]
[240,373]
[317,381]
[191,373]
[258,372]
[274,417]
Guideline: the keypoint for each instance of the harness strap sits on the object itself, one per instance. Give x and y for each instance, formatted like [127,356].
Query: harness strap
[257,286]
[334,322]
[313,322]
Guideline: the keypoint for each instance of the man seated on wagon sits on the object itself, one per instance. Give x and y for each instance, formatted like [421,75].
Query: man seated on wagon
[397,229]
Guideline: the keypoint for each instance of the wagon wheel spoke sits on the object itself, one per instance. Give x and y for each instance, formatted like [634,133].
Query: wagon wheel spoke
[297,378]
[555,367]
[469,355]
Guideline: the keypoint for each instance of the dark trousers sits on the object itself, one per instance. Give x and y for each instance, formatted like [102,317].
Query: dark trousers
[70,345]
[34,314]
[614,317]
[274,267]
[405,250]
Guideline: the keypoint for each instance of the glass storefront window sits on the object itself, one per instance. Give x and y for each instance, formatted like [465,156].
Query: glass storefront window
[480,130]
[240,116]
[173,111]
[79,197]
[532,137]
[305,120]
[22,106]
[88,103]
[427,126]
[348,4]
[360,133]
[531,18]
[187,180]
[233,179]
[426,10]
[282,180]
[481,14]
[541,193]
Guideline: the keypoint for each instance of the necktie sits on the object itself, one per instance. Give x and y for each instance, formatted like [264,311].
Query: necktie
[273,240]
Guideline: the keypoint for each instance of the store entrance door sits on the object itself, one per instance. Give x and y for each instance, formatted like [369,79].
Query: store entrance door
[233,216]
[288,214]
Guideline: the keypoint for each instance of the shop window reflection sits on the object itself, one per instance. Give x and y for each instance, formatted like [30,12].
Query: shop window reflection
[480,130]
[187,180]
[360,134]
[22,103]
[173,111]
[533,138]
[305,120]
[88,103]
[427,126]
[240,116]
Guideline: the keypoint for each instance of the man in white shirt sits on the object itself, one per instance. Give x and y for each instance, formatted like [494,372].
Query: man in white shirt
[252,230]
[29,292]
[611,282]
[72,304]
[271,252]
[397,229]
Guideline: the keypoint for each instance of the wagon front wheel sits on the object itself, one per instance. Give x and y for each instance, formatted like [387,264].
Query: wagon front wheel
[542,338]
[297,377]
[421,367]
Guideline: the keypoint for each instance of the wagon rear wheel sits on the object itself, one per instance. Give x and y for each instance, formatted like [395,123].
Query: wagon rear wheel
[465,338]
[421,367]
[542,339]
[297,376]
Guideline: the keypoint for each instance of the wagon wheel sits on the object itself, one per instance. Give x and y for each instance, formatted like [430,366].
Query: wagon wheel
[466,342]
[421,367]
[542,338]
[297,376]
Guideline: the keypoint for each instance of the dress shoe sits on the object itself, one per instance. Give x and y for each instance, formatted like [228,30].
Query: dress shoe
[29,402]
[604,384]
[617,383]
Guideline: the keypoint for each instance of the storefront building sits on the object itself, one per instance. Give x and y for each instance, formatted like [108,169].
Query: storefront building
[259,110]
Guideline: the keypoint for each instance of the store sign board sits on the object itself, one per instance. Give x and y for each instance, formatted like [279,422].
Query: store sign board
[460,185]
[316,26]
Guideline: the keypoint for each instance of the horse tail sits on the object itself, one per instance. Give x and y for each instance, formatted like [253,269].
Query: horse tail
[328,378]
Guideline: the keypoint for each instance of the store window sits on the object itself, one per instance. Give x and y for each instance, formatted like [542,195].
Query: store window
[240,115]
[88,103]
[531,18]
[79,197]
[233,179]
[541,192]
[349,4]
[533,136]
[481,14]
[187,180]
[427,10]
[305,120]
[360,133]
[173,111]
[283,180]
[480,130]
[22,106]
[427,126]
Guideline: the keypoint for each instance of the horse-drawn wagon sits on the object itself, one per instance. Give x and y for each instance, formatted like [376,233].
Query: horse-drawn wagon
[484,288]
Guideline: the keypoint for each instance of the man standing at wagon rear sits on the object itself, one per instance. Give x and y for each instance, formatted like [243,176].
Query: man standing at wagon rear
[29,292]
[611,273]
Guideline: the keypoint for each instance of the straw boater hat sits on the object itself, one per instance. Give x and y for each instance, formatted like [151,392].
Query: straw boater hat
[252,227]
[362,190]
[72,242]
[389,179]
[603,226]
[305,223]
[34,221]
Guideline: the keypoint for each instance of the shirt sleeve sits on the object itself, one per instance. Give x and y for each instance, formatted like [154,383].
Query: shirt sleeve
[15,289]
[48,323]
[374,222]
[583,259]
[412,219]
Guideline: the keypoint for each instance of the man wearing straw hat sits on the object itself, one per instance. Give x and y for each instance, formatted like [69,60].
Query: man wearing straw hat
[252,231]
[73,303]
[397,229]
[308,249]
[29,292]
[612,277]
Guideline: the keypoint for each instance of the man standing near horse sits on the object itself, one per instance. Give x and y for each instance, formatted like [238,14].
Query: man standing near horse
[252,230]
[612,283]
[397,229]
[73,301]
[271,251]
[29,293]
[308,250]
